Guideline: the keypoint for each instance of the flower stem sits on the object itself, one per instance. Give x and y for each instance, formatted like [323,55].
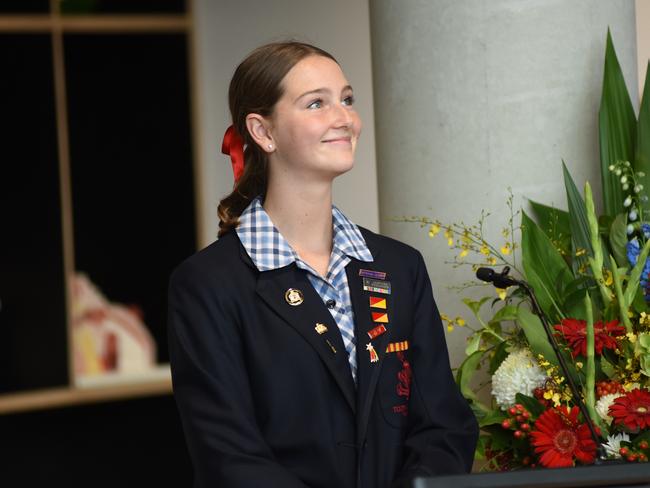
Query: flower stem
[620,296]
[590,386]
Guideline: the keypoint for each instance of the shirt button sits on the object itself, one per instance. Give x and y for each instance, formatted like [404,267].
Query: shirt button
[330,304]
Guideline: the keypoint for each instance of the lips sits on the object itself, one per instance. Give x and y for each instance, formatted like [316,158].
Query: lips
[339,140]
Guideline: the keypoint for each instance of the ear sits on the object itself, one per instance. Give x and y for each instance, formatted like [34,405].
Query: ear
[259,129]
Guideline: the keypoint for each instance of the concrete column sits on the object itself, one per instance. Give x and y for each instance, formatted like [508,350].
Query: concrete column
[475,96]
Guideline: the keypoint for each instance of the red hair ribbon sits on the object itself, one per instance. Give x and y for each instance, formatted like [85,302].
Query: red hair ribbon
[233,146]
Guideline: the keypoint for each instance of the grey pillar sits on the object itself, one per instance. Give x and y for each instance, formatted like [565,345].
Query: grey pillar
[475,96]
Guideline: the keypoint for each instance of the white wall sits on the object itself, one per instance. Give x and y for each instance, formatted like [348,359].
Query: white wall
[642,39]
[226,31]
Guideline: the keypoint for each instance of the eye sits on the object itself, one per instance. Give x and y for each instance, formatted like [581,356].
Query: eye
[318,103]
[349,100]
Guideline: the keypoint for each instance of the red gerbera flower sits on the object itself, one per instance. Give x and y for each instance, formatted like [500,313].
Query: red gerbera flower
[575,333]
[632,409]
[559,438]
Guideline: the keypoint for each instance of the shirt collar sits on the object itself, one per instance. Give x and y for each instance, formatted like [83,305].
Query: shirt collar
[270,250]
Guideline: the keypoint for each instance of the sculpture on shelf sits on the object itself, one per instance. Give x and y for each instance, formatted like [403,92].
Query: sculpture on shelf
[107,337]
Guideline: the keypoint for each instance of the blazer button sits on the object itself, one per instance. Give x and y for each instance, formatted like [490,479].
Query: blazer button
[330,304]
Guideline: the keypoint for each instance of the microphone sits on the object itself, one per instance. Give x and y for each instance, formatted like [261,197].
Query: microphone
[502,280]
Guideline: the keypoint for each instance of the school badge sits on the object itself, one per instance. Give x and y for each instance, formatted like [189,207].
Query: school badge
[377,286]
[320,328]
[373,354]
[293,297]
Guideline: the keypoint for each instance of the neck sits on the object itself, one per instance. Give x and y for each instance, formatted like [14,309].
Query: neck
[303,216]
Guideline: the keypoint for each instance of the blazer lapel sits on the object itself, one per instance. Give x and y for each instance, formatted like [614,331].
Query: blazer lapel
[367,371]
[272,286]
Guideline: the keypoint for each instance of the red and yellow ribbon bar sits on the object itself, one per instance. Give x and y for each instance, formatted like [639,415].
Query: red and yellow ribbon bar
[397,346]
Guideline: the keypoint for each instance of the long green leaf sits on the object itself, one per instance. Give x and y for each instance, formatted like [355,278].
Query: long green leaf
[464,375]
[555,224]
[545,269]
[642,162]
[635,274]
[536,336]
[577,220]
[618,239]
[538,341]
[617,128]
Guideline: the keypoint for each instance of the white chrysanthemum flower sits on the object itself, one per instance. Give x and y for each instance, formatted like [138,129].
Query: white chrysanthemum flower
[613,444]
[602,406]
[518,373]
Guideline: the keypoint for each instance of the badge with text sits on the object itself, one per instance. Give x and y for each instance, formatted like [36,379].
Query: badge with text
[397,346]
[377,286]
[377,302]
[380,317]
[320,328]
[373,354]
[376,332]
[368,273]
[293,297]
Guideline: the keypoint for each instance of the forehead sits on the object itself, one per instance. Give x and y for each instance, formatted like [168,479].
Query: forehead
[312,73]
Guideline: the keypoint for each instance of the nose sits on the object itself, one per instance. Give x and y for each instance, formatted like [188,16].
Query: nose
[343,117]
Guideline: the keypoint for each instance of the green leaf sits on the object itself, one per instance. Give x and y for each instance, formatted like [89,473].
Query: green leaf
[482,443]
[500,438]
[607,367]
[492,418]
[536,336]
[544,267]
[555,224]
[618,239]
[465,373]
[475,306]
[577,220]
[642,162]
[538,341]
[500,353]
[617,128]
[508,312]
[473,344]
[635,274]
[531,404]
[639,304]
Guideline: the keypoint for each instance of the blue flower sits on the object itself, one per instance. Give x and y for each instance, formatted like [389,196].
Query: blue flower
[645,228]
[633,250]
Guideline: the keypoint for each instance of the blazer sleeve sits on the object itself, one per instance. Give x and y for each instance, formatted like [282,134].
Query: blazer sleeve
[212,390]
[442,430]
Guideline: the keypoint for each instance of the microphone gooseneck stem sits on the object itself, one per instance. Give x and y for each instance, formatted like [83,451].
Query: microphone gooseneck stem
[600,450]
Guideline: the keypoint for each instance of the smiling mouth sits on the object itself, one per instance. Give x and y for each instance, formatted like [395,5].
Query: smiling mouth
[340,140]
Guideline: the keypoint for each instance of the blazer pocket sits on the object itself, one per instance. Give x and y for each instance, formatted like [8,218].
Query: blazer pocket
[395,388]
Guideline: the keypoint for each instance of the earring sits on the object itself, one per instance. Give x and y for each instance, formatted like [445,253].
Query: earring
[270,146]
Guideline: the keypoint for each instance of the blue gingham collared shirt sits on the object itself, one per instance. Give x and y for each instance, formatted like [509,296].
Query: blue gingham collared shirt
[270,250]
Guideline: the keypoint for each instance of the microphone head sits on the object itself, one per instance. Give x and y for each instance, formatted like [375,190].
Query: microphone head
[485,274]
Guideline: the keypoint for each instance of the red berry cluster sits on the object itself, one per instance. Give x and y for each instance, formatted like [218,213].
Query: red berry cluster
[637,455]
[608,387]
[519,421]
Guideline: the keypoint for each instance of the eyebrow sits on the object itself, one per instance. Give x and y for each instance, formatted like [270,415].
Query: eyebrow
[322,90]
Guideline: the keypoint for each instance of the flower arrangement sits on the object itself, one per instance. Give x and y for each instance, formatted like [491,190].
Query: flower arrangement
[590,274]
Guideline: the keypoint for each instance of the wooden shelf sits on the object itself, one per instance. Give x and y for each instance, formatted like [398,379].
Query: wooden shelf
[95,23]
[102,388]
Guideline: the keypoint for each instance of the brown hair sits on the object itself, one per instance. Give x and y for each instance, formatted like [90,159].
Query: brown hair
[256,87]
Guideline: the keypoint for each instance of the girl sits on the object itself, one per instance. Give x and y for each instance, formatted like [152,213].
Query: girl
[307,351]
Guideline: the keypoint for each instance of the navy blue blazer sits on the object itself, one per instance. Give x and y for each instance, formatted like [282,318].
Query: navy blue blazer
[265,400]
